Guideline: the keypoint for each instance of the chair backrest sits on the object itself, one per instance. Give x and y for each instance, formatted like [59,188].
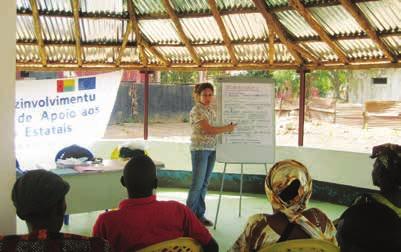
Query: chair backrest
[183,244]
[322,103]
[74,151]
[302,245]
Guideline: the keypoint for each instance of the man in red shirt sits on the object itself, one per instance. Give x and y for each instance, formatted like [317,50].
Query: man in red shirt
[141,220]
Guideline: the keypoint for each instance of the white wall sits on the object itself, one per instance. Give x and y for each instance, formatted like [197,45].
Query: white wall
[362,87]
[341,167]
[7,99]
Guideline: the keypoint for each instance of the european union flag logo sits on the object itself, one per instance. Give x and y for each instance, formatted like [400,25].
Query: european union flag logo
[87,83]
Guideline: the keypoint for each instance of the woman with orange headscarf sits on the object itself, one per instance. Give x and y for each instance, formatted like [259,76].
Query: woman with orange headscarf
[288,187]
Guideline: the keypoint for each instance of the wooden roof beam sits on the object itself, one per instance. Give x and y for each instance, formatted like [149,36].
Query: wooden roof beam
[141,41]
[38,32]
[298,6]
[134,22]
[271,47]
[223,31]
[180,31]
[360,18]
[124,43]
[273,24]
[77,31]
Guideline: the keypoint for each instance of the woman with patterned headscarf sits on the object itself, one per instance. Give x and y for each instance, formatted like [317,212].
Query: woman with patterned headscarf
[288,187]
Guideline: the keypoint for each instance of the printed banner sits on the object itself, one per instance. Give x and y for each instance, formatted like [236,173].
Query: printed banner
[72,110]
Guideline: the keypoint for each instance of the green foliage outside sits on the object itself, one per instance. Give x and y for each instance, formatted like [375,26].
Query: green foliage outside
[173,77]
[334,83]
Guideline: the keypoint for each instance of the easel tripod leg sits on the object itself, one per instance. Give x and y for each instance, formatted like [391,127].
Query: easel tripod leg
[240,189]
[221,191]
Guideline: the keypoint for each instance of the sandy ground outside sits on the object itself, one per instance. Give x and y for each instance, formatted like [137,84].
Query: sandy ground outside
[318,134]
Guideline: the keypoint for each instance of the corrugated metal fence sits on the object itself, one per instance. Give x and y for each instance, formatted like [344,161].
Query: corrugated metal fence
[166,103]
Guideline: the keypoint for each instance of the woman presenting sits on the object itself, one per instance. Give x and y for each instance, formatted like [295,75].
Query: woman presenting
[203,147]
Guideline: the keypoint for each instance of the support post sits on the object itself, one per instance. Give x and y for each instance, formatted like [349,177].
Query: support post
[146,106]
[302,95]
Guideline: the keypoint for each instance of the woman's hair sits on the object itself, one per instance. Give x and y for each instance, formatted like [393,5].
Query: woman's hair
[387,166]
[199,88]
[290,191]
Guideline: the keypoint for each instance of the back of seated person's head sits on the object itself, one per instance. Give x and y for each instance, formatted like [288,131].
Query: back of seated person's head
[39,199]
[386,172]
[139,176]
[288,185]
[126,152]
[369,227]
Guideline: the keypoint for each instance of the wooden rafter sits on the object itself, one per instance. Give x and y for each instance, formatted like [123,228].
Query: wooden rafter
[128,32]
[273,24]
[360,18]
[141,41]
[271,47]
[298,6]
[180,31]
[38,32]
[224,33]
[77,31]
[134,22]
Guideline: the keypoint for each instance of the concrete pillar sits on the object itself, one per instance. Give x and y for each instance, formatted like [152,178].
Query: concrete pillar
[7,101]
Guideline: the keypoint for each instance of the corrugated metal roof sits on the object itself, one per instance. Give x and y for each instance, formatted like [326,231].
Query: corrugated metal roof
[361,49]
[201,30]
[102,30]
[246,27]
[55,5]
[276,3]
[100,54]
[25,30]
[296,24]
[57,28]
[175,54]
[103,24]
[394,42]
[143,7]
[234,4]
[336,20]
[159,31]
[130,55]
[282,55]
[321,49]
[62,54]
[218,54]
[252,53]
[28,53]
[185,6]
[384,15]
[103,6]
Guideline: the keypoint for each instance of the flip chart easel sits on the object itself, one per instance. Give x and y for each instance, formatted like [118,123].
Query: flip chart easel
[248,102]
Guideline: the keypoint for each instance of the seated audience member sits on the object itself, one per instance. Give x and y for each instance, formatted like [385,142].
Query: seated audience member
[386,175]
[74,151]
[141,220]
[288,187]
[39,199]
[128,151]
[369,227]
